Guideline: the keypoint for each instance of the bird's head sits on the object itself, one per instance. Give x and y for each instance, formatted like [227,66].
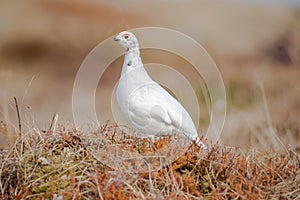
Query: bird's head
[127,40]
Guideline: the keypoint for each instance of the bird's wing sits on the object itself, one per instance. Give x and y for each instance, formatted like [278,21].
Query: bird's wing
[152,109]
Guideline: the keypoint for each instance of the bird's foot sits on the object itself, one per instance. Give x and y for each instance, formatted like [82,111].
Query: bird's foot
[199,143]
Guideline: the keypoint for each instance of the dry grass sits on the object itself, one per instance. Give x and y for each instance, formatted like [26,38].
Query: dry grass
[62,165]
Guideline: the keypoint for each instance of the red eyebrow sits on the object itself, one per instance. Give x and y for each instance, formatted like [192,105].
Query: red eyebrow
[126,34]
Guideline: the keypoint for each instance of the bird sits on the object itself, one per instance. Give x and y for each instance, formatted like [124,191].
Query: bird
[147,106]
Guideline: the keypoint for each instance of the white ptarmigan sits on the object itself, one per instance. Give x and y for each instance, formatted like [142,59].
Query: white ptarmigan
[145,104]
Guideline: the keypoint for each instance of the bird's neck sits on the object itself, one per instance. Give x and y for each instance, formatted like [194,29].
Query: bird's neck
[132,60]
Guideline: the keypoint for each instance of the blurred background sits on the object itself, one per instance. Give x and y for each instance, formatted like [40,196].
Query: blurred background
[255,44]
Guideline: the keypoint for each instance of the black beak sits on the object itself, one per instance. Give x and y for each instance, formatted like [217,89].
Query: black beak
[116,39]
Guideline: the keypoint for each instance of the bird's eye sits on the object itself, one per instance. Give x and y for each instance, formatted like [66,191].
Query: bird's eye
[126,36]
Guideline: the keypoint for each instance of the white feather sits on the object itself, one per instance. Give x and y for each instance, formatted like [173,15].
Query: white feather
[147,106]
